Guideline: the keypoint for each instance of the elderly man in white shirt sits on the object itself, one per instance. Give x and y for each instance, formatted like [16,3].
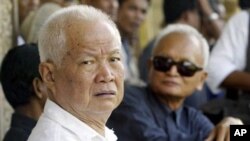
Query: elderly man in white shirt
[228,58]
[81,65]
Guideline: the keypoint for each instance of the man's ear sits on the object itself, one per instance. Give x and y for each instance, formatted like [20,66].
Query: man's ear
[202,80]
[39,88]
[186,17]
[149,67]
[149,64]
[47,71]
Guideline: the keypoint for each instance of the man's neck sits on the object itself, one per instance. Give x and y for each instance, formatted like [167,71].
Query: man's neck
[172,102]
[95,121]
[30,110]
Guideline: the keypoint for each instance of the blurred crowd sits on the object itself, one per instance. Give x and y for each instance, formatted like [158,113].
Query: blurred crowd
[188,81]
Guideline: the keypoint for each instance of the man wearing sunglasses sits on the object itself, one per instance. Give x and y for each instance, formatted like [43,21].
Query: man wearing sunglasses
[156,112]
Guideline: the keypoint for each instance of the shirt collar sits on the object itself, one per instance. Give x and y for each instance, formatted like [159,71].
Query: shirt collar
[68,121]
[176,115]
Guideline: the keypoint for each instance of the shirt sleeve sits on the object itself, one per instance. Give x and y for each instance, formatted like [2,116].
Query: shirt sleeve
[229,53]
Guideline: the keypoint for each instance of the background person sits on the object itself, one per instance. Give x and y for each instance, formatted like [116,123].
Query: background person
[156,112]
[110,7]
[23,89]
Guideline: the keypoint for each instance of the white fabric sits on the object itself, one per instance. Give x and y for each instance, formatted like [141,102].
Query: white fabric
[20,40]
[229,53]
[56,124]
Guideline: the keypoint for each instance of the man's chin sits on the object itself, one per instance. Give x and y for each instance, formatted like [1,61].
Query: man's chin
[173,94]
[107,107]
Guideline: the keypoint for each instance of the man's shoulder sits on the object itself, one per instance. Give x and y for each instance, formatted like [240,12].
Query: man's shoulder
[49,130]
[21,127]
[135,100]
[44,130]
[133,92]
[192,111]
[240,18]
[196,117]
[132,89]
[241,15]
[15,134]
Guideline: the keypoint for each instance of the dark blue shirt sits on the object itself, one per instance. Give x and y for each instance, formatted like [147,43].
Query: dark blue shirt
[142,117]
[20,128]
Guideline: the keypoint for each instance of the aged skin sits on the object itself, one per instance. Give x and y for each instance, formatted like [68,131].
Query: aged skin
[171,87]
[89,81]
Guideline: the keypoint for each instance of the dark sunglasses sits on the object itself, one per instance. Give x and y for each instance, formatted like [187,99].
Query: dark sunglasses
[184,68]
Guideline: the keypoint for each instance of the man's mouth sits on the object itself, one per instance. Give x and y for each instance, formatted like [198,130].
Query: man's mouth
[105,93]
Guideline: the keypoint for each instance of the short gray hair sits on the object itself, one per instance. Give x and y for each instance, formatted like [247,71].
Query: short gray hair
[186,29]
[52,39]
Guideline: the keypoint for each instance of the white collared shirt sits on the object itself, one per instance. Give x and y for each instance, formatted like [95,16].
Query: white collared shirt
[229,53]
[56,124]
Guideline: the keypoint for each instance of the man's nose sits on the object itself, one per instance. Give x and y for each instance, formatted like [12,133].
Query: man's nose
[173,70]
[105,74]
[140,15]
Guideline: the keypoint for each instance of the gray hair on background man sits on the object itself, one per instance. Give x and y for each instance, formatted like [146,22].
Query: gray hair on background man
[188,30]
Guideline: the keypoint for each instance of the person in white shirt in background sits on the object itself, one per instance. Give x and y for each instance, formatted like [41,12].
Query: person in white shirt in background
[81,65]
[229,55]
[229,70]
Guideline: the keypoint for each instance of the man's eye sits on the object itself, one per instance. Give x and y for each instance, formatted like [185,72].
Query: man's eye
[133,8]
[88,62]
[115,59]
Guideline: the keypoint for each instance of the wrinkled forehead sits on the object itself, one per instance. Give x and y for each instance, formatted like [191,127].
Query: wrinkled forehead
[98,35]
[90,31]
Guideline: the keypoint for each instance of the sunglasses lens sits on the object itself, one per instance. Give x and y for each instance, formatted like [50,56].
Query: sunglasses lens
[161,63]
[187,69]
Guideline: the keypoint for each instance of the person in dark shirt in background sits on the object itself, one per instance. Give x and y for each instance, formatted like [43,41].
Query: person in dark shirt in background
[185,12]
[130,16]
[23,89]
[156,112]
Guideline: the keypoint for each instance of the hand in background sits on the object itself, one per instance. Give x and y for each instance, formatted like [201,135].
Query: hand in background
[221,132]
